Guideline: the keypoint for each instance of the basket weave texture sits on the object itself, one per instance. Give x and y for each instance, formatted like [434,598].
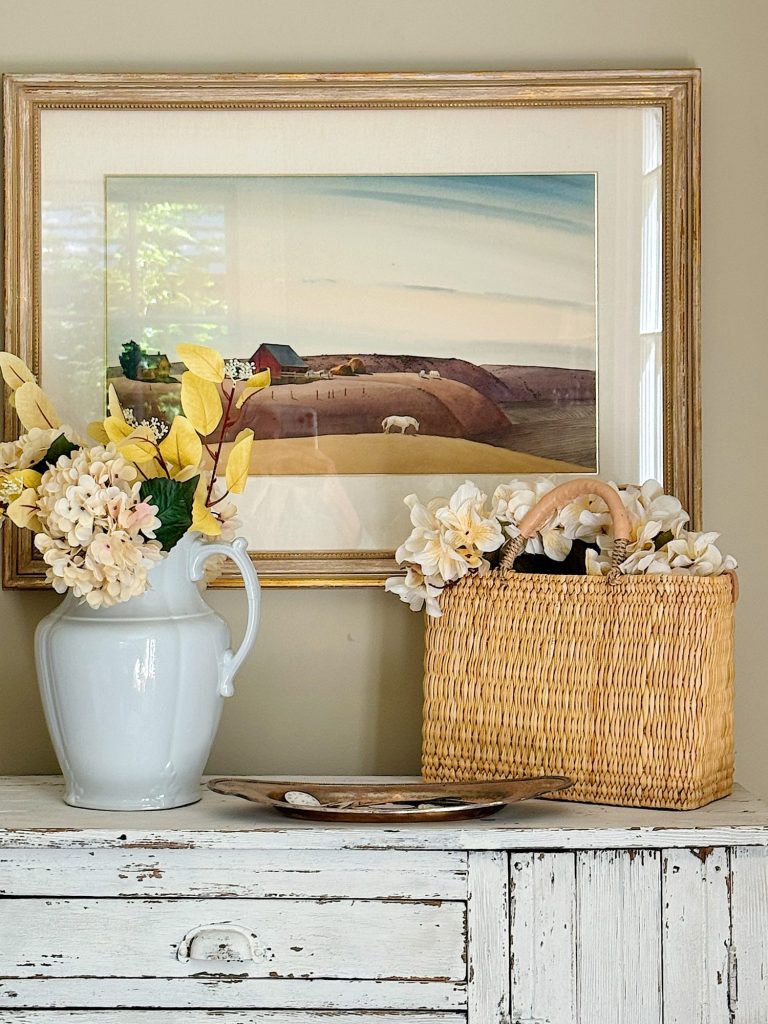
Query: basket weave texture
[626,687]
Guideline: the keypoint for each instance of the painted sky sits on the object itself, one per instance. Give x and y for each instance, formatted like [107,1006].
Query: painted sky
[496,269]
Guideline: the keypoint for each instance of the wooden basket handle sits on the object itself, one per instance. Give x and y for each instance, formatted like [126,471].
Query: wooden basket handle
[554,501]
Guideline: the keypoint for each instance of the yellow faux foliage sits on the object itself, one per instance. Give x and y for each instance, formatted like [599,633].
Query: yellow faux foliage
[116,429]
[257,382]
[204,521]
[113,404]
[139,446]
[201,402]
[181,446]
[23,511]
[97,432]
[34,408]
[239,462]
[205,362]
[15,371]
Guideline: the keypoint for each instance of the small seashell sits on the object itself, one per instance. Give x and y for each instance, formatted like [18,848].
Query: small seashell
[305,799]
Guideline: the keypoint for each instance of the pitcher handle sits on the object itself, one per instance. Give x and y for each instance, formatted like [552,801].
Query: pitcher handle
[238,552]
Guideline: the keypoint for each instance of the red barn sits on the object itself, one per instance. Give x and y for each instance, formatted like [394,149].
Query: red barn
[280,360]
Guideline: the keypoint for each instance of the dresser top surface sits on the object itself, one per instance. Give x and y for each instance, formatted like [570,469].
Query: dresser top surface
[32,813]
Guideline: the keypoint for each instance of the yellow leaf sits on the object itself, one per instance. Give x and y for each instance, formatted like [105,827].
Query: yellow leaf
[205,362]
[239,462]
[151,470]
[27,477]
[186,473]
[181,445]
[113,404]
[139,446]
[15,482]
[201,403]
[23,511]
[15,371]
[204,521]
[34,408]
[258,382]
[97,432]
[116,430]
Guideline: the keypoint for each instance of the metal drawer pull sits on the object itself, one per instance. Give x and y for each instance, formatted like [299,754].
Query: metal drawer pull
[223,941]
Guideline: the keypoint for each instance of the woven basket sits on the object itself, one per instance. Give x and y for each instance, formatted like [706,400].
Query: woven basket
[622,683]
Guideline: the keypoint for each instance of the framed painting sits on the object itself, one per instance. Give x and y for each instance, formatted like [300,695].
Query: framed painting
[447,275]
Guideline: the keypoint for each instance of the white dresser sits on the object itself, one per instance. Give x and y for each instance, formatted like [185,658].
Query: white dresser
[223,913]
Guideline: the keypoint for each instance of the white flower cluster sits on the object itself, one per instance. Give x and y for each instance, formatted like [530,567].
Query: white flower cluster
[29,449]
[238,369]
[98,535]
[452,537]
[157,427]
[449,538]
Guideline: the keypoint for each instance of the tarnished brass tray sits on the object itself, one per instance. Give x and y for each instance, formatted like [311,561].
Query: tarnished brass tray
[397,801]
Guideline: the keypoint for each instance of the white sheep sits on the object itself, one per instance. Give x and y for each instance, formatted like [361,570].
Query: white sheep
[401,423]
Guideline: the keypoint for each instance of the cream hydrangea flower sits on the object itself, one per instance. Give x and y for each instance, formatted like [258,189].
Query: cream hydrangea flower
[30,448]
[417,590]
[97,533]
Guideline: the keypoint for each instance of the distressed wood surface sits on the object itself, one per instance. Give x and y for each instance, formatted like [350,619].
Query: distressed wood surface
[696,934]
[219,992]
[370,874]
[32,814]
[543,937]
[488,938]
[294,938]
[226,1017]
[619,937]
[749,914]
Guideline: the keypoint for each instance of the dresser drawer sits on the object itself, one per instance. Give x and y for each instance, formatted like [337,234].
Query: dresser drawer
[126,870]
[286,953]
[226,1017]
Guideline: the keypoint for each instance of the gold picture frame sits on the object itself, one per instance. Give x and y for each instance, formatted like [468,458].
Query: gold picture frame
[674,93]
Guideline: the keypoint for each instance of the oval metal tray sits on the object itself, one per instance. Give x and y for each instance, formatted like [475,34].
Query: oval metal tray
[396,801]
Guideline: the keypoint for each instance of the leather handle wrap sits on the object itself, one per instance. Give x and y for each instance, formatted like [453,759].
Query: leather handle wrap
[554,501]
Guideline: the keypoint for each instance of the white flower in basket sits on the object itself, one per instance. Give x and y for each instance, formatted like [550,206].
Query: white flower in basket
[460,535]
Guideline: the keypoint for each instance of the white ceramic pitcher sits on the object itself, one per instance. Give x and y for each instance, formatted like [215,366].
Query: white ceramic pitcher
[133,693]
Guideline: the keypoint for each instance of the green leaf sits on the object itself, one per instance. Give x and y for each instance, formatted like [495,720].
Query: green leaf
[61,446]
[174,500]
[663,538]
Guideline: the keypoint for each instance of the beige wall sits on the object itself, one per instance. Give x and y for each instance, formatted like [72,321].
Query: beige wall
[334,683]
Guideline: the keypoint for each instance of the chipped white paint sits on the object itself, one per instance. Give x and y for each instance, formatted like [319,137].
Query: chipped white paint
[294,938]
[543,961]
[300,874]
[228,1017]
[534,917]
[749,910]
[488,938]
[619,937]
[30,806]
[696,935]
[215,991]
